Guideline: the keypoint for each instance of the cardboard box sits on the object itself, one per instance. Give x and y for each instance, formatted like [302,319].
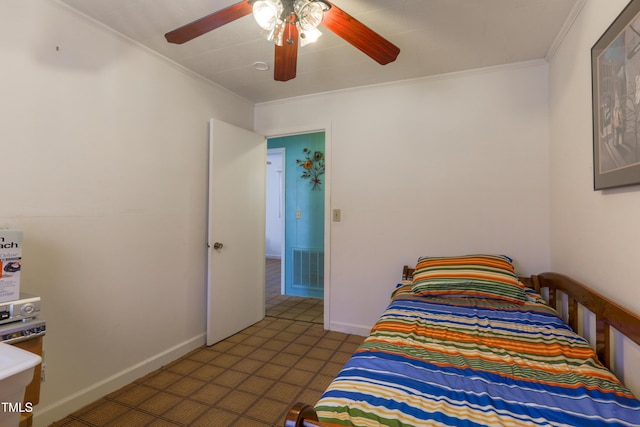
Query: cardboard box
[10,264]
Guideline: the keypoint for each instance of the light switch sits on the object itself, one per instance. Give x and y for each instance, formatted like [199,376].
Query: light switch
[337,215]
[298,214]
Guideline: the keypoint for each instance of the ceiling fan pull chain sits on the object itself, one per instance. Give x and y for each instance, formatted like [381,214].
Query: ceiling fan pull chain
[291,22]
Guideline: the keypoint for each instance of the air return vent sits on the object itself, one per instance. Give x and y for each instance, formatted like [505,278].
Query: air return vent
[308,268]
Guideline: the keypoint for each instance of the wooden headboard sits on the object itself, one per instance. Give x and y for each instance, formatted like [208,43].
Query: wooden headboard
[407,272]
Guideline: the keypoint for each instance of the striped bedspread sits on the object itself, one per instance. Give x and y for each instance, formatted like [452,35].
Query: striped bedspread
[455,362]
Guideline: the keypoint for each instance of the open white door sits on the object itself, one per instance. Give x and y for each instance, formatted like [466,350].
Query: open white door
[236,236]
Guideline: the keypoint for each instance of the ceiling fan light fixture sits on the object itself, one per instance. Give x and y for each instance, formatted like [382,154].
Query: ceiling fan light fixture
[274,15]
[309,13]
[276,34]
[267,13]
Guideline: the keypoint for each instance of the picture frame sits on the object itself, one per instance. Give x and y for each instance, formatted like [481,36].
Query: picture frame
[615,72]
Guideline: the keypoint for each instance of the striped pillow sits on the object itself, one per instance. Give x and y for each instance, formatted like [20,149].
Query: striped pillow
[476,276]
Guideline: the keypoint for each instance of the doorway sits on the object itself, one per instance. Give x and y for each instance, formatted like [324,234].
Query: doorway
[295,227]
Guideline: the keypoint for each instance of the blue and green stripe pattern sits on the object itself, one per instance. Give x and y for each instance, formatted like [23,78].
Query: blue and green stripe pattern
[474,362]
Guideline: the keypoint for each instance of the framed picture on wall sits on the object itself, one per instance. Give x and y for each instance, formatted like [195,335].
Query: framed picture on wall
[615,71]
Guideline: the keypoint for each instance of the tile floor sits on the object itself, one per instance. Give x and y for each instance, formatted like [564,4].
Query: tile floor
[249,379]
[286,307]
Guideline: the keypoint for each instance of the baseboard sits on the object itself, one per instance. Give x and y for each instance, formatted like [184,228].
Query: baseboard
[45,416]
[350,328]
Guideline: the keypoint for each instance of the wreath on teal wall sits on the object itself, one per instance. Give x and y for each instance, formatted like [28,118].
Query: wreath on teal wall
[313,167]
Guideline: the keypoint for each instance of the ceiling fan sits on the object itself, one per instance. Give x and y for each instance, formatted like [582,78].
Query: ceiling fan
[289,23]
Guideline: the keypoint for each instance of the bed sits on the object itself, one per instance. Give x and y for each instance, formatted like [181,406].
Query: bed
[464,341]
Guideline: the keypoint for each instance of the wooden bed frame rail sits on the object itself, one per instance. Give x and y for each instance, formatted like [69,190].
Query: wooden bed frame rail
[302,415]
[607,314]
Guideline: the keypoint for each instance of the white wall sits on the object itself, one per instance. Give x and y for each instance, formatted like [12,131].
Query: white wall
[594,234]
[449,165]
[104,167]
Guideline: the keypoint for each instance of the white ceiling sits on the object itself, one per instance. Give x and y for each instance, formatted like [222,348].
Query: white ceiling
[434,37]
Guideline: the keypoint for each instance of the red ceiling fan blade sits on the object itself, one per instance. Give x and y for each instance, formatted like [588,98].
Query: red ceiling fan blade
[359,35]
[210,22]
[286,56]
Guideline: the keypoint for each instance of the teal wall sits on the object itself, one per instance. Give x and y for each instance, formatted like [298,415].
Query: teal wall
[306,232]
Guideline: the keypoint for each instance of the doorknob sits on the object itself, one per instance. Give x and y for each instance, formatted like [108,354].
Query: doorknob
[217,245]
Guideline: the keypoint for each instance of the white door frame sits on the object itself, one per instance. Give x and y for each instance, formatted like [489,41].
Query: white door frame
[282,152]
